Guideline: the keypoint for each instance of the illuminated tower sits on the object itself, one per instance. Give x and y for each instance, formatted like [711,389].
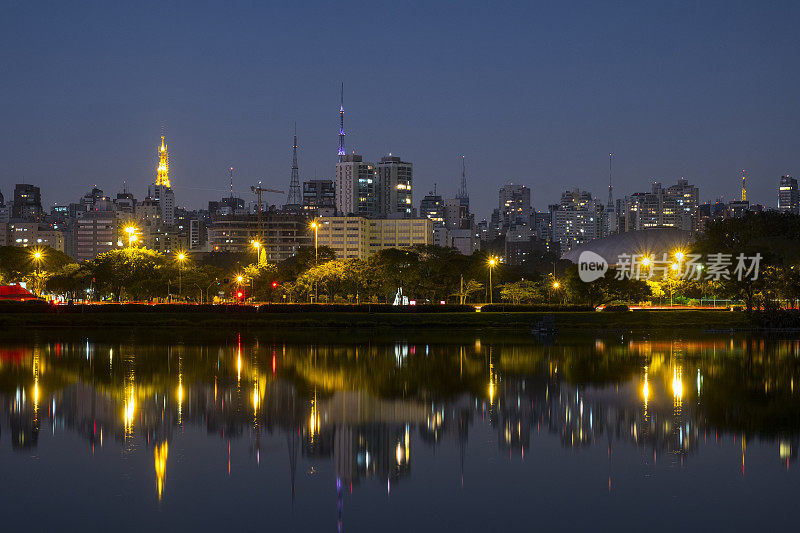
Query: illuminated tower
[744,189]
[341,126]
[294,182]
[162,174]
[161,189]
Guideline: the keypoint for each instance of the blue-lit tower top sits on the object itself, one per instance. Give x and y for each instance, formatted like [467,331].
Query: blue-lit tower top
[341,125]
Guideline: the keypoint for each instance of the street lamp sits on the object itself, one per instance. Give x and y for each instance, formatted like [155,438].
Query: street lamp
[181,258]
[131,231]
[315,227]
[257,246]
[492,263]
[37,258]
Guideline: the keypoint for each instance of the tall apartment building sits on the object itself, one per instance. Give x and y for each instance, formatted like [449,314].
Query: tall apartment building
[788,196]
[674,207]
[359,237]
[356,187]
[574,219]
[27,202]
[394,188]
[95,233]
[515,205]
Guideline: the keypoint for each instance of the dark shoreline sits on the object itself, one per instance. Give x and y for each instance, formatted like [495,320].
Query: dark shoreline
[521,322]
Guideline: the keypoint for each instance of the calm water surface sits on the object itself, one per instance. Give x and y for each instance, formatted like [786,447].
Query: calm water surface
[416,432]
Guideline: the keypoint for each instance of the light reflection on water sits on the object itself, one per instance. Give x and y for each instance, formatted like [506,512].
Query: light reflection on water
[432,428]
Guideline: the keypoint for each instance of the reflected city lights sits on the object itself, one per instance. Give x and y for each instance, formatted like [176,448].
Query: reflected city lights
[160,453]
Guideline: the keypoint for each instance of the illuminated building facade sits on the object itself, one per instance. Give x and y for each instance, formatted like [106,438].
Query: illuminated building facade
[788,196]
[394,188]
[359,237]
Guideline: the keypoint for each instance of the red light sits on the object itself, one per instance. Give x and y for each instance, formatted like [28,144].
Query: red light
[239,294]
[274,284]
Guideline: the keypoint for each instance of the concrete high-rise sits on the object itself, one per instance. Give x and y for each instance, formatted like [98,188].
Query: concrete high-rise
[27,202]
[788,196]
[394,188]
[515,205]
[574,219]
[432,207]
[319,195]
[356,187]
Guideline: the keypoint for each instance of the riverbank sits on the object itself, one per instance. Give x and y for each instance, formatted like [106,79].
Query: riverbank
[565,321]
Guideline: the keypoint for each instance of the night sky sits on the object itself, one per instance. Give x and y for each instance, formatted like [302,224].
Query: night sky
[536,93]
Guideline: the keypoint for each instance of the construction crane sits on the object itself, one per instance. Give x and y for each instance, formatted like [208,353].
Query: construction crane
[257,190]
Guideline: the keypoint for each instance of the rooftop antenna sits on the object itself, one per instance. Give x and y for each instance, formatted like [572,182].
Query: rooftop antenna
[294,182]
[462,191]
[231,171]
[341,125]
[610,187]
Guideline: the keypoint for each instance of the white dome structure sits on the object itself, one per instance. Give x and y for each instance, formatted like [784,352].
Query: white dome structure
[655,241]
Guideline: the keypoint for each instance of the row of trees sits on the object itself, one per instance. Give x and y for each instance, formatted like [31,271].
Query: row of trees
[426,273]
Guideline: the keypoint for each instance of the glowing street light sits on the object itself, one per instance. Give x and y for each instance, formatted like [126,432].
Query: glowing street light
[181,257]
[37,258]
[257,246]
[315,226]
[131,231]
[492,262]
[556,285]
[679,255]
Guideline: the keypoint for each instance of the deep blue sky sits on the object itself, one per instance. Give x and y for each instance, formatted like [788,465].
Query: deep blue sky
[532,92]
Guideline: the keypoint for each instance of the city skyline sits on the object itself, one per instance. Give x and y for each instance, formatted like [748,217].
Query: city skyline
[550,126]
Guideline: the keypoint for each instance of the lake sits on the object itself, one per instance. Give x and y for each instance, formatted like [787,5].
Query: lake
[415,431]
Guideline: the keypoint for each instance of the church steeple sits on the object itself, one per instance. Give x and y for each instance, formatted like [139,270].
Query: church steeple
[162,174]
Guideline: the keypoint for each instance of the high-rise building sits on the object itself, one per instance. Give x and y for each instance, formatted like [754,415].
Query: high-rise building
[574,219]
[394,190]
[356,187]
[515,205]
[319,195]
[788,196]
[95,233]
[687,197]
[432,207]
[456,214]
[673,207]
[27,202]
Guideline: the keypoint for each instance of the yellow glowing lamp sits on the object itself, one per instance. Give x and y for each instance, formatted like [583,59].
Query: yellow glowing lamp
[645,261]
[679,256]
[181,257]
[239,279]
[556,285]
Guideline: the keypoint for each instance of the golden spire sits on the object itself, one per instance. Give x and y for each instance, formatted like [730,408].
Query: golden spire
[162,174]
[744,189]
